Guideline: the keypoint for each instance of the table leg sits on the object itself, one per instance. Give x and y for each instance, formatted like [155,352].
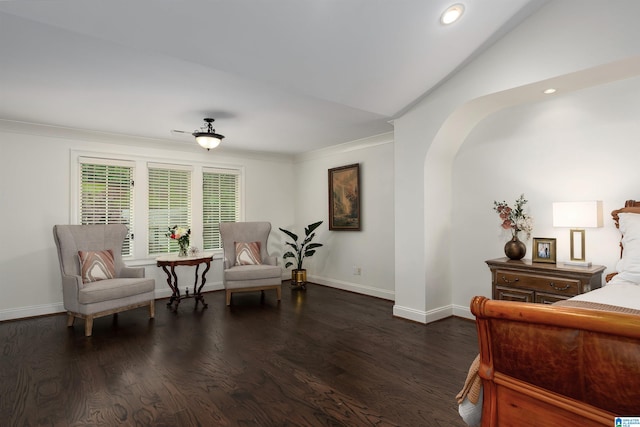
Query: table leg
[198,292]
[195,282]
[173,284]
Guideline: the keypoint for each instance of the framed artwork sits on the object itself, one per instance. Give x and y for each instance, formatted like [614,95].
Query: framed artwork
[544,250]
[344,198]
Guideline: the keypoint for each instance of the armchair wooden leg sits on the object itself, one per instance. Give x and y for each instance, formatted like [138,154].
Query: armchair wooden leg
[152,309]
[279,293]
[88,326]
[228,297]
[70,319]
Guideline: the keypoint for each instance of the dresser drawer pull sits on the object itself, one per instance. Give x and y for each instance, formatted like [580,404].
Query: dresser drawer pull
[558,288]
[505,280]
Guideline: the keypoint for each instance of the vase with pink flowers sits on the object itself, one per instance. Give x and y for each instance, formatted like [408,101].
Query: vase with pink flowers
[516,220]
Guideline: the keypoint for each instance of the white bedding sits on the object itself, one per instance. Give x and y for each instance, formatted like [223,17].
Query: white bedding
[618,291]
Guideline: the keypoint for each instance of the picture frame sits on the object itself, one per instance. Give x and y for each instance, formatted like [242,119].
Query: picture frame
[344,198]
[544,250]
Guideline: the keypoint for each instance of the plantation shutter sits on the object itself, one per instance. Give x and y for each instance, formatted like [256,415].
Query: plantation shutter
[220,203]
[169,204]
[106,195]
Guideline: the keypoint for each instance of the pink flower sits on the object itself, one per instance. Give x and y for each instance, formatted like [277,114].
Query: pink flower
[515,219]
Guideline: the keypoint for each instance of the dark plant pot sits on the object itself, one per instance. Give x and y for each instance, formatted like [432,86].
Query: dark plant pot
[298,278]
[515,249]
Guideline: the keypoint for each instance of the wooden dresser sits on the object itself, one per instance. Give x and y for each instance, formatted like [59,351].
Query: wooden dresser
[528,281]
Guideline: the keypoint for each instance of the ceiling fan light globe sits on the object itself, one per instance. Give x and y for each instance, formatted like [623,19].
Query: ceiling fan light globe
[208,140]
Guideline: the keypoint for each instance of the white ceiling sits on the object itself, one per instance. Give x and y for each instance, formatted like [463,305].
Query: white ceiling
[282,76]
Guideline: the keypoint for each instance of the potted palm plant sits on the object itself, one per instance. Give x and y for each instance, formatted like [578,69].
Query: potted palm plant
[300,252]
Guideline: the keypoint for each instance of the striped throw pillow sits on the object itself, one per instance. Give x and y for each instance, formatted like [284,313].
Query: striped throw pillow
[96,265]
[248,253]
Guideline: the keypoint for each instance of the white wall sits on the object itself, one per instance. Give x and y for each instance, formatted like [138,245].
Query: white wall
[34,195]
[563,37]
[573,147]
[371,249]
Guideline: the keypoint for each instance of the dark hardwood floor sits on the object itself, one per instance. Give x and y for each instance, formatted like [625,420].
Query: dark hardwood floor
[322,357]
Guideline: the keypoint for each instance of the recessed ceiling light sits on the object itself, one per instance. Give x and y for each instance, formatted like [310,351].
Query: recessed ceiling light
[452,14]
[549,91]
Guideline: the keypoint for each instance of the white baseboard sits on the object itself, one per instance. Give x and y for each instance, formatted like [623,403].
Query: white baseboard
[354,287]
[31,311]
[463,311]
[398,311]
[55,308]
[410,314]
[423,316]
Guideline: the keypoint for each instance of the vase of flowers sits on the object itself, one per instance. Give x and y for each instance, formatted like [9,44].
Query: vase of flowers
[515,220]
[181,235]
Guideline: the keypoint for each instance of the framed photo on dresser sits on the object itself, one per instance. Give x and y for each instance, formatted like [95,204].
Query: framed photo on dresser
[544,250]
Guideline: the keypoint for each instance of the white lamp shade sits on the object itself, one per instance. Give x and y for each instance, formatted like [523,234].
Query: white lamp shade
[577,214]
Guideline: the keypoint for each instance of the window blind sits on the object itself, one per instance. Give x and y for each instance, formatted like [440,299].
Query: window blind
[169,205]
[220,203]
[106,195]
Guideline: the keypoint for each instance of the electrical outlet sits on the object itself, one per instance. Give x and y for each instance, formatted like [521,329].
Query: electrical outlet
[356,270]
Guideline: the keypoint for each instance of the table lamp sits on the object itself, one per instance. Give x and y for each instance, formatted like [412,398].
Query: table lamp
[577,216]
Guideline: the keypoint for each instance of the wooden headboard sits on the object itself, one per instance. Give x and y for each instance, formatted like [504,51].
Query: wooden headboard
[630,206]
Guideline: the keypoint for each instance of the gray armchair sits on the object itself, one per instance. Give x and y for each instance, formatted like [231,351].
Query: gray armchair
[128,288]
[255,277]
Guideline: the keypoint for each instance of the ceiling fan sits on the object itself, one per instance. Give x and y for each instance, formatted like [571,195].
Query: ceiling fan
[206,136]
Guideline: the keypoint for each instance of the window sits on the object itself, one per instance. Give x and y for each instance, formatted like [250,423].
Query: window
[193,194]
[220,203]
[169,204]
[106,195]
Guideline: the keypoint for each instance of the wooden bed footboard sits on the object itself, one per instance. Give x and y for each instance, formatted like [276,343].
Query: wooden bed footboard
[556,366]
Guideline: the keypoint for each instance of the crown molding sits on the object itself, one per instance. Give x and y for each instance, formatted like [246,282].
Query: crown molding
[358,144]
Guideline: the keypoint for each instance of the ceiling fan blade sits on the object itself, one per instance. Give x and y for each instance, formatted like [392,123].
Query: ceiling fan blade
[179,131]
